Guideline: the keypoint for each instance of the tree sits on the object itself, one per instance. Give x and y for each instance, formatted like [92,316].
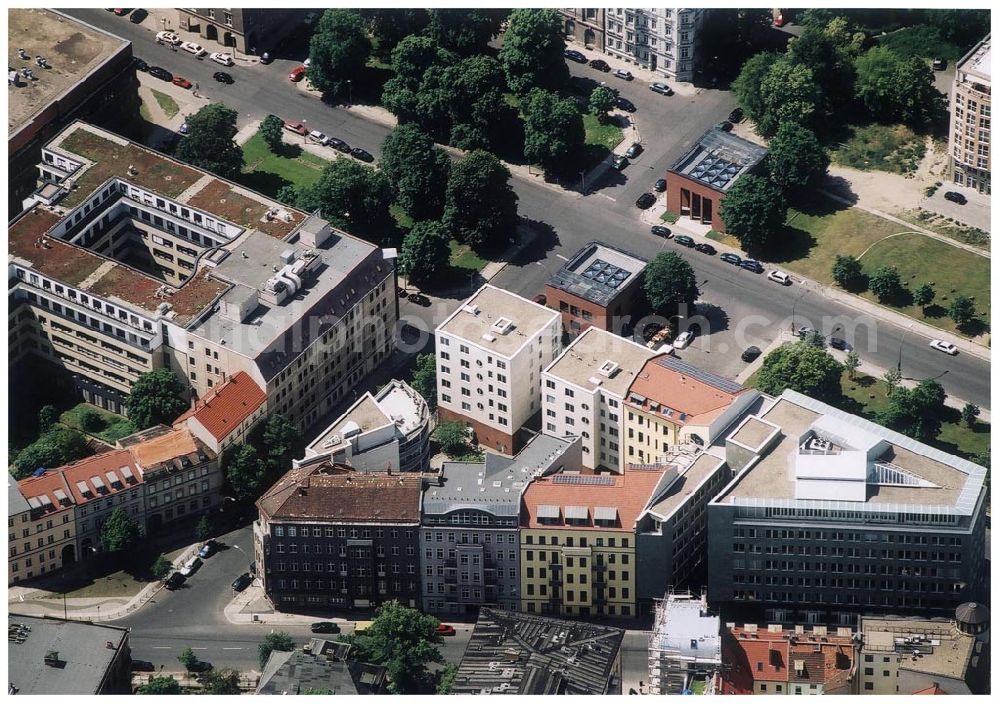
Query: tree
[795,158]
[553,130]
[746,87]
[960,26]
[48,416]
[670,283]
[891,378]
[789,94]
[317,690]
[209,143]
[600,103]
[245,472]
[424,380]
[893,88]
[970,412]
[161,685]
[271,130]
[465,32]
[848,274]
[390,26]
[962,311]
[831,64]
[353,197]
[156,397]
[203,531]
[55,447]
[473,90]
[815,339]
[281,438]
[90,420]
[188,659]
[801,367]
[923,296]
[453,438]
[338,50]
[161,567]
[417,171]
[278,640]
[480,205]
[446,678]
[425,252]
[222,681]
[852,363]
[120,531]
[916,412]
[885,283]
[532,51]
[753,210]
[404,641]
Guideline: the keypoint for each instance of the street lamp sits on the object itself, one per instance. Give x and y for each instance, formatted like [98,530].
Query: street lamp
[902,341]
[797,299]
[350,92]
[583,182]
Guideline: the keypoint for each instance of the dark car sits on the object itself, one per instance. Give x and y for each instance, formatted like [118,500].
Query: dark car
[646,200]
[600,65]
[661,231]
[752,265]
[359,153]
[634,150]
[266,58]
[750,354]
[175,580]
[955,197]
[138,16]
[939,64]
[838,343]
[199,666]
[420,299]
[161,73]
[705,248]
[725,126]
[736,115]
[684,240]
[339,144]
[139,64]
[242,582]
[574,55]
[223,77]
[143,666]
[325,627]
[619,162]
[624,104]
[731,258]
[660,186]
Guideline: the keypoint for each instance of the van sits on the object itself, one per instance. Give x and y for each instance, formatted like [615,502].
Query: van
[191,566]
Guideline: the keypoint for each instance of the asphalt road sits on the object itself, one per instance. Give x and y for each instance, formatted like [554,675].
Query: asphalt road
[667,125]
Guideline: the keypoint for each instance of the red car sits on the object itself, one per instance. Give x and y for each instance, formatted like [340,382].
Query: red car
[181,81]
[297,74]
[443,629]
[297,128]
[779,21]
[122,11]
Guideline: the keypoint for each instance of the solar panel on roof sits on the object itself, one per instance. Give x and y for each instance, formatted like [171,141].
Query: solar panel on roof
[727,385]
[583,479]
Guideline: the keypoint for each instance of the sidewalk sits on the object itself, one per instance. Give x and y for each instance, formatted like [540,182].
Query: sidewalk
[641,74]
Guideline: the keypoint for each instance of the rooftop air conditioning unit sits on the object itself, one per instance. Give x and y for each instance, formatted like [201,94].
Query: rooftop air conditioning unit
[471,308]
[503,325]
[608,368]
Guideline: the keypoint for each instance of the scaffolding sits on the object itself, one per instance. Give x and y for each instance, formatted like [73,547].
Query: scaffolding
[685,646]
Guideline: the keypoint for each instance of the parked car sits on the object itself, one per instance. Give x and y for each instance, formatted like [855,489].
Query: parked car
[750,353]
[730,258]
[194,48]
[752,265]
[143,666]
[340,145]
[420,299]
[684,240]
[223,77]
[324,627]
[138,16]
[242,582]
[736,115]
[168,38]
[955,197]
[684,339]
[297,74]
[619,162]
[658,338]
[191,566]
[623,74]
[200,666]
[540,299]
[624,104]
[359,153]
[661,88]
[184,129]
[838,343]
[725,126]
[600,65]
[208,549]
[634,150]
[574,55]
[174,581]
[779,21]
[221,58]
[181,82]
[122,11]
[318,137]
[661,231]
[646,200]
[805,331]
[705,248]
[297,128]
[139,64]
[779,277]
[946,347]
[660,186]
[266,58]
[443,629]
[939,64]
[161,73]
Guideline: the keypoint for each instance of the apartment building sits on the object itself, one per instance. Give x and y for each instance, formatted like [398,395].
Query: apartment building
[685,648]
[830,515]
[584,26]
[227,414]
[583,391]
[578,545]
[328,536]
[41,526]
[249,30]
[599,286]
[130,261]
[469,536]
[969,135]
[663,40]
[385,431]
[490,355]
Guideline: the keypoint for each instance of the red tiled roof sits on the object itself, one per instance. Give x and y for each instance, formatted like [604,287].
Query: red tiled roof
[98,466]
[933,689]
[231,404]
[762,656]
[698,399]
[45,484]
[628,493]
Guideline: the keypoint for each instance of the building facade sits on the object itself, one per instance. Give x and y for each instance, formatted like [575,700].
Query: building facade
[327,536]
[584,26]
[251,30]
[490,355]
[469,537]
[584,389]
[41,526]
[663,40]
[969,135]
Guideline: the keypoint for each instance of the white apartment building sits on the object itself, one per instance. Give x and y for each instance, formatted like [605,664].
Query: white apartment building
[490,355]
[583,390]
[661,39]
[969,135]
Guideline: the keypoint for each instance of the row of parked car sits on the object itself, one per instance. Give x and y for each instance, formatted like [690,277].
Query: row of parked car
[317,137]
[603,66]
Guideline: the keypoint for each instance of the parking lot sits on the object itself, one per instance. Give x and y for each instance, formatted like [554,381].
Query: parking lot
[975,213]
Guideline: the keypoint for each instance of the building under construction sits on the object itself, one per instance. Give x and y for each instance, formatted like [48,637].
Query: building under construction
[685,648]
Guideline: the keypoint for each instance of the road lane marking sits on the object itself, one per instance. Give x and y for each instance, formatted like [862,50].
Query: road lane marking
[232,648]
[605,195]
[565,259]
[161,647]
[199,648]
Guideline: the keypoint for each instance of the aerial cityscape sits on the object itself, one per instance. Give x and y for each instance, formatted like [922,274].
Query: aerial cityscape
[629,351]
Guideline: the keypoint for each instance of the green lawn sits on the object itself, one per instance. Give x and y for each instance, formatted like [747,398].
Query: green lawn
[267,172]
[401,217]
[723,238]
[893,148]
[167,104]
[113,426]
[921,40]
[608,136]
[462,257]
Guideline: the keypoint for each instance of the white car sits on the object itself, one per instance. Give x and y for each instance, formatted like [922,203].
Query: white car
[780,277]
[306,63]
[623,74]
[220,58]
[318,137]
[190,566]
[168,37]
[193,48]
[945,347]
[683,340]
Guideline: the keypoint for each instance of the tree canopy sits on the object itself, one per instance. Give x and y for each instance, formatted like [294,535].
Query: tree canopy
[278,640]
[246,472]
[225,680]
[885,283]
[916,412]
[553,131]
[425,252]
[532,51]
[795,158]
[354,197]
[753,211]
[389,26]
[670,283]
[480,204]
[893,88]
[404,641]
[209,142]
[848,273]
[465,32]
[789,94]
[424,380]
[453,438]
[600,103]
[338,50]
[120,531]
[54,448]
[271,129]
[962,311]
[156,397]
[805,368]
[417,170]
[161,685]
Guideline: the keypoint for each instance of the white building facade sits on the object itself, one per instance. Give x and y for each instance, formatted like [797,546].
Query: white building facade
[661,39]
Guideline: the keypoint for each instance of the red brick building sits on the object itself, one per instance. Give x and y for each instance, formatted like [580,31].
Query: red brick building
[597,287]
[698,181]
